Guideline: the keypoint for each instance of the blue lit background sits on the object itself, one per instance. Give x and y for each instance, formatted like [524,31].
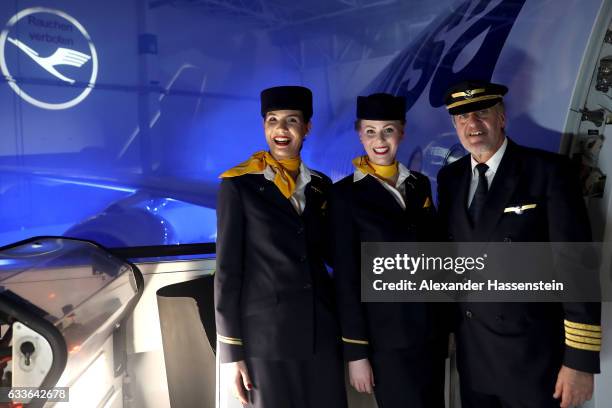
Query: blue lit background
[176,98]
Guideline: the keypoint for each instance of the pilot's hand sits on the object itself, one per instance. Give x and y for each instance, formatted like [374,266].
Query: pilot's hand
[237,377]
[361,376]
[573,387]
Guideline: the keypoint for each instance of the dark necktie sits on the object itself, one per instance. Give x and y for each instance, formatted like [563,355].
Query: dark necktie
[480,195]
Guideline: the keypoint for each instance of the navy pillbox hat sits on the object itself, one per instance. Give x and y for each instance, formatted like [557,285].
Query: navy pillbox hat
[381,106]
[287,98]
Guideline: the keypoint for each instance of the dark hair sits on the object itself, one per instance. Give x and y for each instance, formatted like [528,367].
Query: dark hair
[306,120]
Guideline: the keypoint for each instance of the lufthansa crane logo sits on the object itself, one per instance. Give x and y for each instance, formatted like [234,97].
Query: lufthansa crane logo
[40,47]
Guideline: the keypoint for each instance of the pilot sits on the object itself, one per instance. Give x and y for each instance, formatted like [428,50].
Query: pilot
[392,349]
[277,329]
[550,361]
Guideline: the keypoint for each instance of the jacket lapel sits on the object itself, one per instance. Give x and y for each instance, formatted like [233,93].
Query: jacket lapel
[375,190]
[458,212]
[272,194]
[315,196]
[503,186]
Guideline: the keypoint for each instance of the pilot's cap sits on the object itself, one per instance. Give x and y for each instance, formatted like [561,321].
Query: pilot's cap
[287,98]
[470,96]
[381,106]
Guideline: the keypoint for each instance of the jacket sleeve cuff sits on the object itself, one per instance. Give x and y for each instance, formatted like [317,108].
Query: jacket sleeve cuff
[581,360]
[354,349]
[582,346]
[230,349]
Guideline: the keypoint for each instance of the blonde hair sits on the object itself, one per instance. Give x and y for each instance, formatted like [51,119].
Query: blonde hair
[357,124]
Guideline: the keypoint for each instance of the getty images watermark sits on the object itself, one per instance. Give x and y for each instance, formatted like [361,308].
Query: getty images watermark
[499,272]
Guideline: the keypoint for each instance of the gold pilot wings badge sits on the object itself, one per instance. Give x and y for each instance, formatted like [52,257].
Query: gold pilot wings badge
[519,209]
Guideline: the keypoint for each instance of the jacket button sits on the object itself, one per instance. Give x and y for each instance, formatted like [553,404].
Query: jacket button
[300,230]
[507,239]
[261,188]
[308,286]
[468,314]
[303,258]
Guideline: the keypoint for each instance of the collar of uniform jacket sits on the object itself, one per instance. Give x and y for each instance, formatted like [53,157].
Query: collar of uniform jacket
[298,198]
[398,191]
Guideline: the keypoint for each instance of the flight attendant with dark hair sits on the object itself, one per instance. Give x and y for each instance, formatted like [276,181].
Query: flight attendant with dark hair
[393,349]
[276,326]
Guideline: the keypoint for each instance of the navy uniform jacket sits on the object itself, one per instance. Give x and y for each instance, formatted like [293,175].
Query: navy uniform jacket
[509,348]
[364,211]
[273,295]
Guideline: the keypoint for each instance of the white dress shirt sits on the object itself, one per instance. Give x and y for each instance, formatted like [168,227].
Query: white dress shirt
[493,164]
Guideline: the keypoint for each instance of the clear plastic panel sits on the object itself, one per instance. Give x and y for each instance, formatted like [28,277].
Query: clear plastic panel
[79,287]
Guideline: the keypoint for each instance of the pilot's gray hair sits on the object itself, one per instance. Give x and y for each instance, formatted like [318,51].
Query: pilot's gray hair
[499,106]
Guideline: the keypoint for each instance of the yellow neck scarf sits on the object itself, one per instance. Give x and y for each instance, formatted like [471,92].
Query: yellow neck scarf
[385,173]
[282,170]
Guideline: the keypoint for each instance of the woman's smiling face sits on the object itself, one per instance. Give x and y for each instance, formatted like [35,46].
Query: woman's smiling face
[285,131]
[381,139]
